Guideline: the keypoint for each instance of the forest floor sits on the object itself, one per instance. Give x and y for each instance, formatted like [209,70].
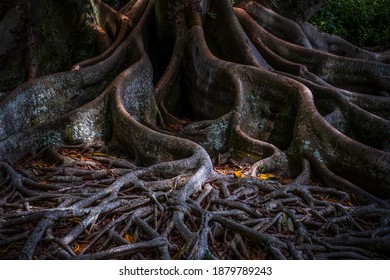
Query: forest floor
[323,223]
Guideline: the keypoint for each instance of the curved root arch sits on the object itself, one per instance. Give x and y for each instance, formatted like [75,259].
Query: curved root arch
[108,160]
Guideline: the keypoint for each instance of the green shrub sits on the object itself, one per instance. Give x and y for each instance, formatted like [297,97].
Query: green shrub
[365,23]
[110,2]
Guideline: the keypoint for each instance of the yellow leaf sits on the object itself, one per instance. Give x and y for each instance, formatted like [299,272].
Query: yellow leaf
[5,250]
[76,220]
[100,154]
[76,248]
[130,238]
[266,176]
[74,155]
[349,203]
[237,174]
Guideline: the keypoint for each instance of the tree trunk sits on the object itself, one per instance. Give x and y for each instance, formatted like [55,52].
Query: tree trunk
[167,129]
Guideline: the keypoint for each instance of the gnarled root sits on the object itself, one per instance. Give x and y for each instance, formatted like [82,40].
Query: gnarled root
[112,158]
[100,206]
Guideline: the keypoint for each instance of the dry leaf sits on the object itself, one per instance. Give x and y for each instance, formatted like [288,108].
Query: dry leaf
[266,176]
[100,154]
[130,238]
[76,248]
[238,174]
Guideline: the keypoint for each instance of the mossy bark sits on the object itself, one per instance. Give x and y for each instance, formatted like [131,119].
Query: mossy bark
[123,129]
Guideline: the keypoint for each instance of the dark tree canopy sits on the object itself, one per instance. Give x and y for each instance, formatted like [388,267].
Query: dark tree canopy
[191,129]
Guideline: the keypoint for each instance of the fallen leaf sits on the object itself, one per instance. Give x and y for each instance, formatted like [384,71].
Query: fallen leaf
[100,154]
[74,155]
[130,238]
[266,176]
[76,248]
[349,203]
[238,174]
[5,250]
[76,220]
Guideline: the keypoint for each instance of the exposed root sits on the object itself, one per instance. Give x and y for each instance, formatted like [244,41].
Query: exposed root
[111,158]
[135,213]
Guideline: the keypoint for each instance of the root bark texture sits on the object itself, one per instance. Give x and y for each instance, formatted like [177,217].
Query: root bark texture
[189,130]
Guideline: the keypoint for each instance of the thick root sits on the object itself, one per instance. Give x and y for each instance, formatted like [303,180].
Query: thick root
[112,158]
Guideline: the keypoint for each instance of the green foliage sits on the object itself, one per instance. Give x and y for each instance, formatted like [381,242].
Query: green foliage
[362,22]
[212,14]
[111,3]
[261,169]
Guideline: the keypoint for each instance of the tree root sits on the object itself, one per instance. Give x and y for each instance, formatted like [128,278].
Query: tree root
[117,216]
[111,159]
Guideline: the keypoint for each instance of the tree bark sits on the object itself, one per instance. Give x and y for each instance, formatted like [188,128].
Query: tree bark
[189,130]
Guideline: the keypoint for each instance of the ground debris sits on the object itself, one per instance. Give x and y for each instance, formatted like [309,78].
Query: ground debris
[232,217]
